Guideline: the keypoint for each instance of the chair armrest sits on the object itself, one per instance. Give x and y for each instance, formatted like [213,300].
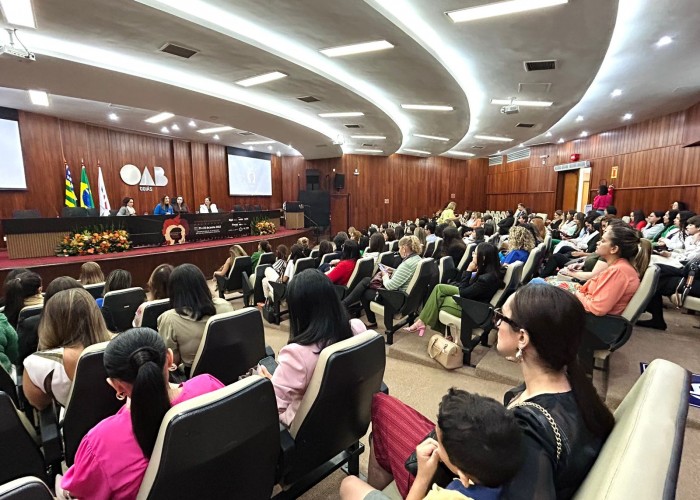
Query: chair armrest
[340,291]
[287,451]
[394,298]
[50,432]
[384,388]
[269,351]
[479,312]
[279,290]
[609,328]
[245,283]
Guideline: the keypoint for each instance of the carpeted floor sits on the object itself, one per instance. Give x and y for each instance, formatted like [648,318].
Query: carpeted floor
[418,381]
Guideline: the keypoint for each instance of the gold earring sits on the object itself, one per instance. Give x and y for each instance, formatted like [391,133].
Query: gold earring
[519,355]
[121,396]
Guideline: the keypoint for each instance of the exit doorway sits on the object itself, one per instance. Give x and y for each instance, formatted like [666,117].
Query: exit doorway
[574,189]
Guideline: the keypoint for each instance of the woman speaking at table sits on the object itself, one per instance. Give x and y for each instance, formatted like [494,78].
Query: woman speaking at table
[164,207]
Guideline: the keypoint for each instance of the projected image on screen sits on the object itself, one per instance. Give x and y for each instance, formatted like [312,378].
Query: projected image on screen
[249,176]
[11,162]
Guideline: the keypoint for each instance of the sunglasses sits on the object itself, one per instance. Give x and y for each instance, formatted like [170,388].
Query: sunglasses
[500,317]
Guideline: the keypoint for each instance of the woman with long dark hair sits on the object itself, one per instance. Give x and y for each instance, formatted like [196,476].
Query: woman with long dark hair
[192,304]
[376,246]
[157,290]
[638,219]
[540,327]
[24,290]
[316,320]
[112,458]
[164,207]
[670,228]
[482,278]
[452,245]
[119,279]
[340,274]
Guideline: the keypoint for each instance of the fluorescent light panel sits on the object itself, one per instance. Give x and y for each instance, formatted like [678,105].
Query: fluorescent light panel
[417,151]
[257,80]
[432,137]
[369,137]
[18,12]
[214,130]
[160,117]
[257,143]
[493,138]
[39,97]
[361,150]
[427,107]
[500,9]
[627,116]
[460,153]
[664,40]
[357,48]
[343,114]
[532,104]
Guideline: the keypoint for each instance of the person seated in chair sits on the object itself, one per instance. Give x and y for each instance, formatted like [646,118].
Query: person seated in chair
[91,274]
[127,207]
[234,251]
[208,207]
[157,290]
[24,290]
[340,274]
[520,244]
[476,439]
[119,279]
[164,207]
[180,207]
[376,247]
[452,245]
[113,457]
[316,321]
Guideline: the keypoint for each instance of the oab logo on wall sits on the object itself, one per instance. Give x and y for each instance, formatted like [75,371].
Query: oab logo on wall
[132,176]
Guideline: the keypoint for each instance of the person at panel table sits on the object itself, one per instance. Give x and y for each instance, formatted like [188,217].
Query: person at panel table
[164,207]
[208,207]
[127,207]
[180,207]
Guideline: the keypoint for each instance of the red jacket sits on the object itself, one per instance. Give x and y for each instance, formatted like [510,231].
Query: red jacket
[341,273]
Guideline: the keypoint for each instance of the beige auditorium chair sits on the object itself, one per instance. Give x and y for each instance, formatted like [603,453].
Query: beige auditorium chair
[25,488]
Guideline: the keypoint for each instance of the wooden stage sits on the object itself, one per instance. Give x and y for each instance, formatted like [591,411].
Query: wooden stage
[207,255]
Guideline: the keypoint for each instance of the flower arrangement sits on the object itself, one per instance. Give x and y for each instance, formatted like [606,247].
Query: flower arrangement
[92,241]
[263,227]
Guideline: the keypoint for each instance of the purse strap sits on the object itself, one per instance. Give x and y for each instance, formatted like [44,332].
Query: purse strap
[550,419]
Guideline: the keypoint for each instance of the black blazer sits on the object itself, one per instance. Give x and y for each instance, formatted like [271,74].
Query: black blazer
[481,288]
[505,224]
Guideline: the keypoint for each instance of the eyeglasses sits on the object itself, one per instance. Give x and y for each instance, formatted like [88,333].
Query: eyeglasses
[499,317]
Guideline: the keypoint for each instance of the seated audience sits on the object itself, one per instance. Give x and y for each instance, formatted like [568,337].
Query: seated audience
[304,242]
[208,207]
[568,226]
[180,207]
[325,247]
[316,321]
[263,247]
[182,326]
[430,235]
[234,251]
[392,279]
[541,327]
[570,249]
[376,247]
[12,274]
[537,224]
[119,279]
[506,223]
[638,220]
[91,274]
[556,220]
[675,243]
[71,321]
[422,236]
[655,224]
[9,345]
[340,274]
[476,439]
[127,207]
[112,458]
[276,271]
[339,239]
[24,290]
[156,289]
[679,205]
[610,210]
[670,229]
[390,234]
[480,281]
[520,244]
[164,207]
[452,245]
[295,253]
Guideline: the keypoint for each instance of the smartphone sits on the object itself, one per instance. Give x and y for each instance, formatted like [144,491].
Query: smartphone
[269,363]
[383,267]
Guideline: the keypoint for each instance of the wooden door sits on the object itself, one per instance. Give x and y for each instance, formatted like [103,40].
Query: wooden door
[570,190]
[339,213]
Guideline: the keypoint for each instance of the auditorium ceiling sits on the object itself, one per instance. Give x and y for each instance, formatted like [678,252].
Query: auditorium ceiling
[101,62]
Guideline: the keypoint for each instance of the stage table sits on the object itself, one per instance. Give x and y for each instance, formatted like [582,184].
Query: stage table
[39,237]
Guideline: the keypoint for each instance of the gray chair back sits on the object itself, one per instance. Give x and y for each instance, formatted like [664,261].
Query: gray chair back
[96,289]
[20,455]
[119,307]
[25,488]
[152,310]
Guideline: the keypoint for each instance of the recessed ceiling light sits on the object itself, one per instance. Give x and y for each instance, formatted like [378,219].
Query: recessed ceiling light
[417,151]
[579,118]
[192,124]
[499,151]
[561,140]
[432,137]
[18,12]
[460,153]
[39,97]
[516,102]
[493,138]
[216,137]
[214,130]
[521,145]
[159,117]
[548,134]
[664,40]
[584,134]
[362,150]
[500,9]
[175,126]
[279,153]
[357,48]
[343,114]
[250,148]
[616,93]
[627,116]
[114,117]
[257,143]
[427,107]
[164,129]
[369,137]
[257,80]
[269,148]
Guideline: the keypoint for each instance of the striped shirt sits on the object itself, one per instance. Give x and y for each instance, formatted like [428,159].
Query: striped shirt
[401,277]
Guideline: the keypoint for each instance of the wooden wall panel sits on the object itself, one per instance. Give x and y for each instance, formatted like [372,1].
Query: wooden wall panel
[691,132]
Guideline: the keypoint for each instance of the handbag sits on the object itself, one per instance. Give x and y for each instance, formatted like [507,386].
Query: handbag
[269,311]
[445,352]
[376,282]
[442,477]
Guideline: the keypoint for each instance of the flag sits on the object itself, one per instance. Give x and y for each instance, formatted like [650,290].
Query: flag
[104,201]
[70,192]
[85,193]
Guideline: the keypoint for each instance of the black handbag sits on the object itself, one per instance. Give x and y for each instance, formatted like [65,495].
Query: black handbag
[443,476]
[687,285]
[269,311]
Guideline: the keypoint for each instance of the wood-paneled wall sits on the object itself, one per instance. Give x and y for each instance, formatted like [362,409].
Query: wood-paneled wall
[656,166]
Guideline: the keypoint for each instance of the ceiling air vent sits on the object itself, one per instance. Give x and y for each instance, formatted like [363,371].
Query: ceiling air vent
[495,160]
[245,133]
[368,145]
[353,125]
[321,145]
[477,147]
[525,125]
[308,98]
[523,154]
[540,65]
[178,50]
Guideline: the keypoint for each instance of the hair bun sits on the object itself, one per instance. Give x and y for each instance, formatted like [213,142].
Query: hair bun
[142,355]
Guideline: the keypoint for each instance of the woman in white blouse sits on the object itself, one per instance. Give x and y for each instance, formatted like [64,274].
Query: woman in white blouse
[208,207]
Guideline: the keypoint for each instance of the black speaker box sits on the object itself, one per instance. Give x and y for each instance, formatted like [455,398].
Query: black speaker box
[339,181]
[317,207]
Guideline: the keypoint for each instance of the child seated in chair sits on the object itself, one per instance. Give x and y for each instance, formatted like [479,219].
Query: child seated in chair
[478,440]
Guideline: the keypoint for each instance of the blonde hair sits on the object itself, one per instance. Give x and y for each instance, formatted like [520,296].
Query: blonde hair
[451,205]
[643,257]
[520,238]
[412,242]
[538,224]
[91,273]
[303,241]
[420,234]
[237,251]
[71,318]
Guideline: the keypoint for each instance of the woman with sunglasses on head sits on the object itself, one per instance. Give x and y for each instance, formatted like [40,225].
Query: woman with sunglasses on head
[540,327]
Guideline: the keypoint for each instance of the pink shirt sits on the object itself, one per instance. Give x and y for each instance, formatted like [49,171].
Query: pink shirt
[109,463]
[296,367]
[601,202]
[611,290]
